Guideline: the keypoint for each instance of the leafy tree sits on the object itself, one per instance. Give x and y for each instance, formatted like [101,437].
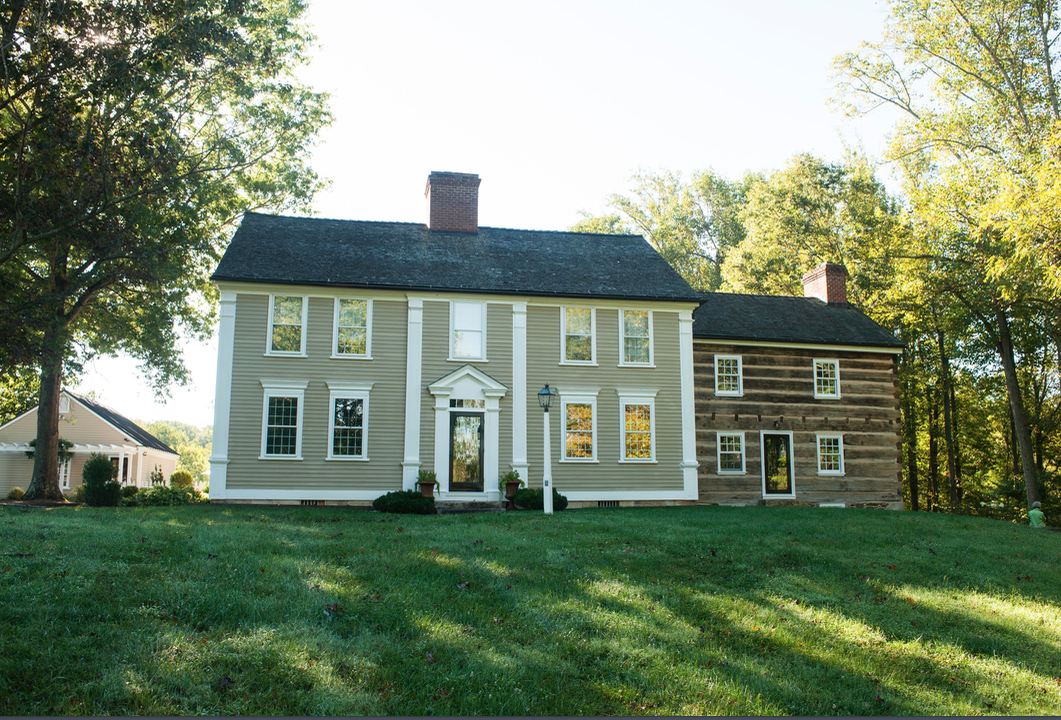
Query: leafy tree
[692,224]
[132,136]
[812,212]
[19,386]
[976,86]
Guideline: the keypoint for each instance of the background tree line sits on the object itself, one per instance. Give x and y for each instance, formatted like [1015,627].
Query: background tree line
[964,265]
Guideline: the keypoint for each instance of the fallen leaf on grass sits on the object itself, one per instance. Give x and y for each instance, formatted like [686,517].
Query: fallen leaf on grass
[331,608]
[462,585]
[442,693]
[18,554]
[210,556]
[892,567]
[429,657]
[227,682]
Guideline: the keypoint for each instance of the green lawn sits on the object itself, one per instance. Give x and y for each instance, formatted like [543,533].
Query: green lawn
[708,610]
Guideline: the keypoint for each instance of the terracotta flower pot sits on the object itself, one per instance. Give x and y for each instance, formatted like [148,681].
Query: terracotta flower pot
[427,489]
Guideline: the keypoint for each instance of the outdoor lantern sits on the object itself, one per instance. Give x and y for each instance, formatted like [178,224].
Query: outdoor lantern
[545,397]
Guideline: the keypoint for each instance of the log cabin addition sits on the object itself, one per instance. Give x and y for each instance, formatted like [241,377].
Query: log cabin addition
[796,400]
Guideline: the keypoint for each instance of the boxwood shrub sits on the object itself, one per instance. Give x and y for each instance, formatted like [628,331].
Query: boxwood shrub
[97,479]
[534,499]
[410,502]
[15,493]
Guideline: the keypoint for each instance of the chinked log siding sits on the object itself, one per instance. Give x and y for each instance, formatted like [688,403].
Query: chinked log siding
[778,396]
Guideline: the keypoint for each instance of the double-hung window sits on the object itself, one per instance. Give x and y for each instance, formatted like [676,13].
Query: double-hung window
[468,335]
[579,412]
[730,452]
[729,378]
[282,413]
[635,337]
[287,325]
[348,425]
[826,378]
[638,421]
[830,454]
[578,342]
[352,334]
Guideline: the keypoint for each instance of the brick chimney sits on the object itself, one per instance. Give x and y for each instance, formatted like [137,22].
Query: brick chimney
[453,203]
[827,282]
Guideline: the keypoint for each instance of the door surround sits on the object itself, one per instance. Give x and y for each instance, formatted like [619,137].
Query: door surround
[467,383]
[763,434]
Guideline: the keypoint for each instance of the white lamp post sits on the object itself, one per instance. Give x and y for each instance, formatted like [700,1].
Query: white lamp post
[545,399]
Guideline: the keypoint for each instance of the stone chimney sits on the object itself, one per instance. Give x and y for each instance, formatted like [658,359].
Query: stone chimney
[453,203]
[827,282]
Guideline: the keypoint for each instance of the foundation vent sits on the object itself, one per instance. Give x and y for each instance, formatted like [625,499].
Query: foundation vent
[311,503]
[607,503]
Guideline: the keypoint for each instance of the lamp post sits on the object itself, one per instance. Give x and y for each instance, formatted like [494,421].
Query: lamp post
[545,398]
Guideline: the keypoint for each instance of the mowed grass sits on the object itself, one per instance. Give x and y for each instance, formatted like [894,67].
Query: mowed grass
[670,611]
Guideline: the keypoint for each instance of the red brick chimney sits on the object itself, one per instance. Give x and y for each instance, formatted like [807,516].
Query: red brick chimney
[453,203]
[827,282]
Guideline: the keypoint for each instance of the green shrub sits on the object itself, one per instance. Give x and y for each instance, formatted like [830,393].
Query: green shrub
[15,493]
[181,478]
[164,495]
[129,490]
[406,502]
[77,495]
[534,499]
[97,479]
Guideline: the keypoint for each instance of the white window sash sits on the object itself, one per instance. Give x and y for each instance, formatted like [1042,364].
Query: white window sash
[739,392]
[623,362]
[367,355]
[820,362]
[718,454]
[592,337]
[341,394]
[840,449]
[453,330]
[578,399]
[283,389]
[301,352]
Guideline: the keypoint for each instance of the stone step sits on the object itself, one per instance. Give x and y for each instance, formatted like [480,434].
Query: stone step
[451,506]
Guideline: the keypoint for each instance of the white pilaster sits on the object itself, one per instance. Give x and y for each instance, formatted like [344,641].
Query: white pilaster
[519,389]
[226,337]
[685,358]
[413,391]
[442,438]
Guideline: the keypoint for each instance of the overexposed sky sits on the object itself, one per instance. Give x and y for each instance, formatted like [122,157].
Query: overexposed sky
[554,105]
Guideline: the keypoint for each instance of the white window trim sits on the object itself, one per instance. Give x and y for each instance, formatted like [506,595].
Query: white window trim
[636,397]
[348,391]
[818,452]
[64,473]
[368,331]
[283,388]
[814,377]
[580,396]
[762,463]
[622,342]
[743,453]
[592,337]
[740,376]
[452,313]
[269,334]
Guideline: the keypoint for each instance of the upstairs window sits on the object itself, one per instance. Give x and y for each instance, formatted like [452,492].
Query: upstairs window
[729,378]
[826,378]
[579,343]
[636,337]
[468,337]
[352,324]
[287,325]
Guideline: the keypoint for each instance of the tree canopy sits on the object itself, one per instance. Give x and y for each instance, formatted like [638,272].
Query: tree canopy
[132,136]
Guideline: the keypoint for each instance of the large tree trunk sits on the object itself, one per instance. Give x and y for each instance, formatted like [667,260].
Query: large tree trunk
[908,406]
[45,482]
[948,426]
[1016,406]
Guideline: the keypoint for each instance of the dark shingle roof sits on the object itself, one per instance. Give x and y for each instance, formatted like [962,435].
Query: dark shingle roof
[127,426]
[313,251]
[803,320]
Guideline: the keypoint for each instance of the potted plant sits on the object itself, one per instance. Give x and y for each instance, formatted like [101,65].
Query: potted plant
[427,482]
[510,482]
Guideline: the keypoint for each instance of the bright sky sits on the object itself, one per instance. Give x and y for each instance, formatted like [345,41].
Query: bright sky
[554,105]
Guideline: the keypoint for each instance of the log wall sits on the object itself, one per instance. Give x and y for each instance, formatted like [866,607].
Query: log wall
[778,395]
